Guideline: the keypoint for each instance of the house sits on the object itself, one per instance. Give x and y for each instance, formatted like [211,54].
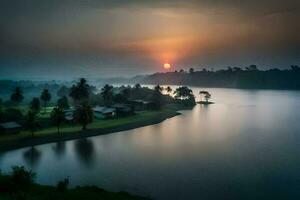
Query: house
[123,109]
[69,114]
[10,127]
[139,104]
[101,112]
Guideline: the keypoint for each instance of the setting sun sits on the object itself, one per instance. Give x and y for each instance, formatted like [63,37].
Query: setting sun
[167,66]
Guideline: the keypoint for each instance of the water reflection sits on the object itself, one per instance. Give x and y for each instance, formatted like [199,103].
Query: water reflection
[59,148]
[32,157]
[84,149]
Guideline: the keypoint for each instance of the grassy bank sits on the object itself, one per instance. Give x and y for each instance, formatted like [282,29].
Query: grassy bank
[19,186]
[73,131]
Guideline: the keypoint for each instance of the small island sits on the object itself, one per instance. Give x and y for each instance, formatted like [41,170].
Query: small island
[80,110]
[206,96]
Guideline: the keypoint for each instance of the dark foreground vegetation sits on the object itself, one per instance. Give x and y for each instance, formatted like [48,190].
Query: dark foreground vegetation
[232,77]
[20,185]
[80,110]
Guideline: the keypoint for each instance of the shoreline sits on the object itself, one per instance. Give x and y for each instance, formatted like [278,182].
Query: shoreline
[39,140]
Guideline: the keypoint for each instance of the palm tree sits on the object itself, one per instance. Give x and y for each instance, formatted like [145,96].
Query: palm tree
[35,105]
[169,89]
[157,97]
[80,92]
[57,116]
[63,103]
[45,97]
[83,115]
[31,121]
[107,94]
[17,96]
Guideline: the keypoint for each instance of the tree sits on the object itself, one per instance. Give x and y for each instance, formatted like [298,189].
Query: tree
[206,94]
[191,70]
[63,103]
[31,121]
[107,94]
[185,95]
[183,92]
[169,89]
[157,97]
[80,92]
[35,105]
[17,96]
[63,91]
[45,97]
[57,117]
[83,115]
[21,179]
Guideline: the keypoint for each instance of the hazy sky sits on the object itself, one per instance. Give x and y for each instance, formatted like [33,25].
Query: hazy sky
[91,38]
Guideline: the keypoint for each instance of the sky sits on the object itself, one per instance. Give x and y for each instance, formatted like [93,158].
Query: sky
[60,39]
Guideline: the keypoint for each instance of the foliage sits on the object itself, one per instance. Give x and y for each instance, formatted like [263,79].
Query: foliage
[107,94]
[232,77]
[80,92]
[35,105]
[83,115]
[21,178]
[57,117]
[31,121]
[12,114]
[157,97]
[63,103]
[17,96]
[63,91]
[185,95]
[45,97]
[62,186]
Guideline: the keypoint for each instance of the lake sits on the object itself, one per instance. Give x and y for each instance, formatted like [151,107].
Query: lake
[246,146]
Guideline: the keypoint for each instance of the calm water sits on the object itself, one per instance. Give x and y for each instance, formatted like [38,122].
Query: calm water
[246,146]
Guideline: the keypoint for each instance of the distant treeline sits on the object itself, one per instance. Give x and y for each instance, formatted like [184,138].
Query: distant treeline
[232,77]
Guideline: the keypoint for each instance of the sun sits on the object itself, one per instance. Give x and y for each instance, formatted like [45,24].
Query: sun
[167,66]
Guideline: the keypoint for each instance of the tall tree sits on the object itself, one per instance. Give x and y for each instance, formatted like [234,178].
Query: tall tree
[45,97]
[63,91]
[57,117]
[83,115]
[107,94]
[157,97]
[17,96]
[35,105]
[31,121]
[80,92]
[63,103]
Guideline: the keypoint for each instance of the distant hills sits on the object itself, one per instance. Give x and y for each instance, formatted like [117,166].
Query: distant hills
[232,77]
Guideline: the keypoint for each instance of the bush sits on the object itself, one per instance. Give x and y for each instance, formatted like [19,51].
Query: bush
[62,186]
[21,178]
[12,114]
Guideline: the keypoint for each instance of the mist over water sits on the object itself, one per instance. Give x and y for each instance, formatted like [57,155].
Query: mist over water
[246,146]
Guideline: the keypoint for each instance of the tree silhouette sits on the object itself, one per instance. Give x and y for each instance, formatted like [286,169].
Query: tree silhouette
[169,89]
[17,96]
[191,70]
[57,117]
[185,95]
[83,115]
[206,94]
[31,121]
[35,105]
[80,92]
[45,97]
[63,91]
[157,97]
[107,94]
[63,103]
